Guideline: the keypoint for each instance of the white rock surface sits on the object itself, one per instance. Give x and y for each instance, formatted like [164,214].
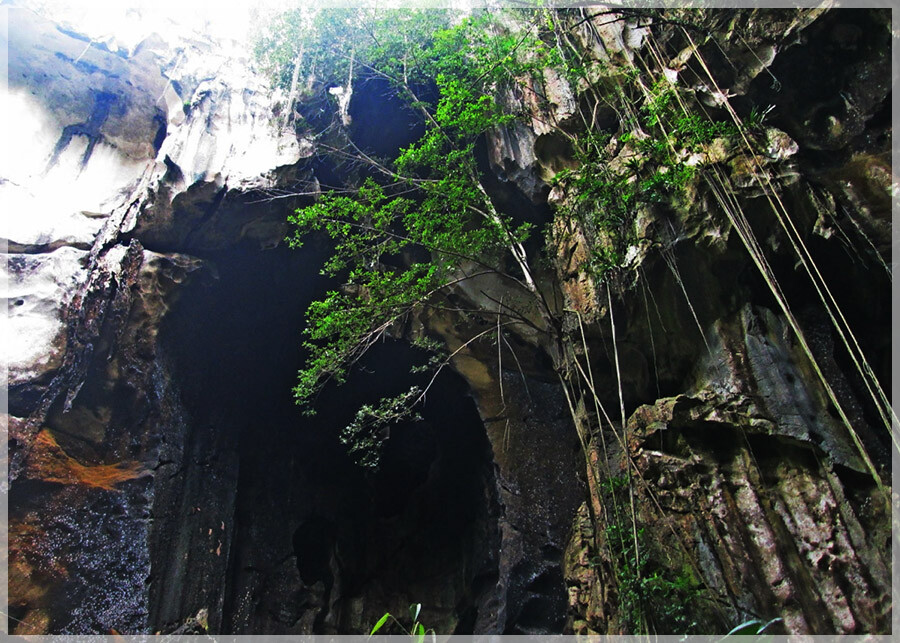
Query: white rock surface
[68,93]
[54,83]
[229,133]
[38,286]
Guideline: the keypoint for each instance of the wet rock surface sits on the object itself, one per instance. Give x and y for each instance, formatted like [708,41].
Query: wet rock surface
[38,285]
[102,458]
[82,463]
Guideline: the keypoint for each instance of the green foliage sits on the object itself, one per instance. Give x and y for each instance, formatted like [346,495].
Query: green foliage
[603,200]
[399,240]
[757,117]
[602,261]
[437,355]
[660,102]
[686,130]
[666,181]
[370,232]
[604,197]
[693,131]
[651,597]
[277,46]
[407,46]
[614,484]
[364,437]
[417,630]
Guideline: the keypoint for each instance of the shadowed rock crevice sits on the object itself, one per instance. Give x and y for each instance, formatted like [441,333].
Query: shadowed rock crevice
[381,123]
[90,129]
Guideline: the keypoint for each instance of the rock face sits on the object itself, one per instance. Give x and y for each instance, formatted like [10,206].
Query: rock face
[734,446]
[96,428]
[161,478]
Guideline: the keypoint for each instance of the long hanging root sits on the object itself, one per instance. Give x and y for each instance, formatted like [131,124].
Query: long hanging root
[725,193]
[824,293]
[588,381]
[650,331]
[740,224]
[634,530]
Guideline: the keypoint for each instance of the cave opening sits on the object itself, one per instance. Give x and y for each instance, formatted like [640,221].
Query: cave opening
[382,123]
[299,538]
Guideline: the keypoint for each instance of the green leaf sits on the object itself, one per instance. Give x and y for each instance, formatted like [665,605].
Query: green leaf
[414,612]
[380,623]
[751,628]
[766,626]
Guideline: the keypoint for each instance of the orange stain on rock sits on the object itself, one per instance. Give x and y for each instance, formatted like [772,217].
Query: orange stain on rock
[47,461]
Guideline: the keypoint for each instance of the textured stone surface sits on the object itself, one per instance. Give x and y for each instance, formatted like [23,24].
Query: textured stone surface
[536,453]
[728,492]
[82,493]
[38,286]
[736,449]
[86,124]
[97,428]
[742,502]
[224,151]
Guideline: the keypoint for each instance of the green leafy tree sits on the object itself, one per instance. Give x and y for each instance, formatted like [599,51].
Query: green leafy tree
[428,202]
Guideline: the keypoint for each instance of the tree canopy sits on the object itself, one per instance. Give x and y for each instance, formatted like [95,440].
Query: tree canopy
[405,228]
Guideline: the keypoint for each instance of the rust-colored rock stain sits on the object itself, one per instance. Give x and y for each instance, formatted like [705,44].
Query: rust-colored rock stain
[50,463]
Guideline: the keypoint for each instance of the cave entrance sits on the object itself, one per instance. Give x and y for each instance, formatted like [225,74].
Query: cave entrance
[305,540]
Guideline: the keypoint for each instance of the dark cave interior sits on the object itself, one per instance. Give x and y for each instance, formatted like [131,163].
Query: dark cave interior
[425,521]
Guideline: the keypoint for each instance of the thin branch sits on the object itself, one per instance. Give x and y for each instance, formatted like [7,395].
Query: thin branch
[446,361]
[444,251]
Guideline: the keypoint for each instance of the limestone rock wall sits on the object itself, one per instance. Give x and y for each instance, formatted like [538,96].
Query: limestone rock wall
[782,519]
[99,446]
